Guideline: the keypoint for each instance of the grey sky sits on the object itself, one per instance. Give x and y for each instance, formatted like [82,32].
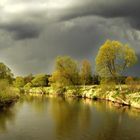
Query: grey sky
[34,32]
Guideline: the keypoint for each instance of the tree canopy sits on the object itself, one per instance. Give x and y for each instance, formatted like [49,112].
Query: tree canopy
[86,73]
[28,78]
[113,58]
[19,82]
[5,72]
[40,80]
[66,72]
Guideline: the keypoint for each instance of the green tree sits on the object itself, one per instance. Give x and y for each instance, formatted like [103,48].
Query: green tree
[19,82]
[96,79]
[7,93]
[28,78]
[5,73]
[27,87]
[113,58]
[66,72]
[86,73]
[40,80]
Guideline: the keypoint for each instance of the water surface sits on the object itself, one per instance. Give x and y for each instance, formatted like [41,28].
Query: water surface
[41,118]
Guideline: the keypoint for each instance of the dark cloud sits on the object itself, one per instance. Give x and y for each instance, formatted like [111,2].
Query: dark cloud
[135,70]
[22,30]
[127,9]
[76,28]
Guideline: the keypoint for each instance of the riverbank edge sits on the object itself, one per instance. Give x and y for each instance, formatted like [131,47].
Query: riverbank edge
[8,102]
[125,98]
[9,98]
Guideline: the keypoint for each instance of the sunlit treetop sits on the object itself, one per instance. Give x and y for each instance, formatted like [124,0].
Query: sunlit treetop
[113,58]
[66,72]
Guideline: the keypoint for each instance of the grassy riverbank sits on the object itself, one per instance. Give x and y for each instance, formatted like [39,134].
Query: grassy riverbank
[8,96]
[118,97]
[6,100]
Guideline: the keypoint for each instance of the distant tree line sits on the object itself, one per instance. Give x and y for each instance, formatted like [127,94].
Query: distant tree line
[112,59]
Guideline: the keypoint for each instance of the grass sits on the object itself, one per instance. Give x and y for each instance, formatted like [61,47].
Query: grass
[8,94]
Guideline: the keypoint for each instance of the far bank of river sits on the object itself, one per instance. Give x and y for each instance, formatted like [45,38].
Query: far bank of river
[123,98]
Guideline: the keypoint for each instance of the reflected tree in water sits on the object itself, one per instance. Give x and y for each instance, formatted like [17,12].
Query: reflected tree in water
[6,116]
[70,116]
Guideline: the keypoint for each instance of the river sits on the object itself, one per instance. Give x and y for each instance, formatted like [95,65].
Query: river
[43,118]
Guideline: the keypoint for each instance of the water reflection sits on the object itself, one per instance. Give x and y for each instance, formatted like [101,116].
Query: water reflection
[39,103]
[70,115]
[6,116]
[111,107]
[116,122]
[41,118]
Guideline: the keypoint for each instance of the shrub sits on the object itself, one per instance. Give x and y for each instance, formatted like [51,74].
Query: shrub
[7,93]
[107,85]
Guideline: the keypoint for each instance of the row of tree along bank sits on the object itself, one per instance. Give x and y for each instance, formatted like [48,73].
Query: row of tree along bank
[70,79]
[112,60]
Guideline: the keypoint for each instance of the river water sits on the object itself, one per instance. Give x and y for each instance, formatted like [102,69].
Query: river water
[42,118]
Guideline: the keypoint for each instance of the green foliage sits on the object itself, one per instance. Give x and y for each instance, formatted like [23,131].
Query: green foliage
[5,73]
[132,84]
[96,79]
[27,87]
[107,85]
[19,82]
[66,72]
[40,80]
[28,78]
[60,91]
[113,58]
[7,94]
[86,73]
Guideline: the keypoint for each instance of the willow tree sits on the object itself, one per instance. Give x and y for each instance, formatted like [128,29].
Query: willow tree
[66,72]
[86,73]
[113,58]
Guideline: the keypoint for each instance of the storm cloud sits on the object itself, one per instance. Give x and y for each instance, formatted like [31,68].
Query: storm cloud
[22,30]
[34,32]
[126,9]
